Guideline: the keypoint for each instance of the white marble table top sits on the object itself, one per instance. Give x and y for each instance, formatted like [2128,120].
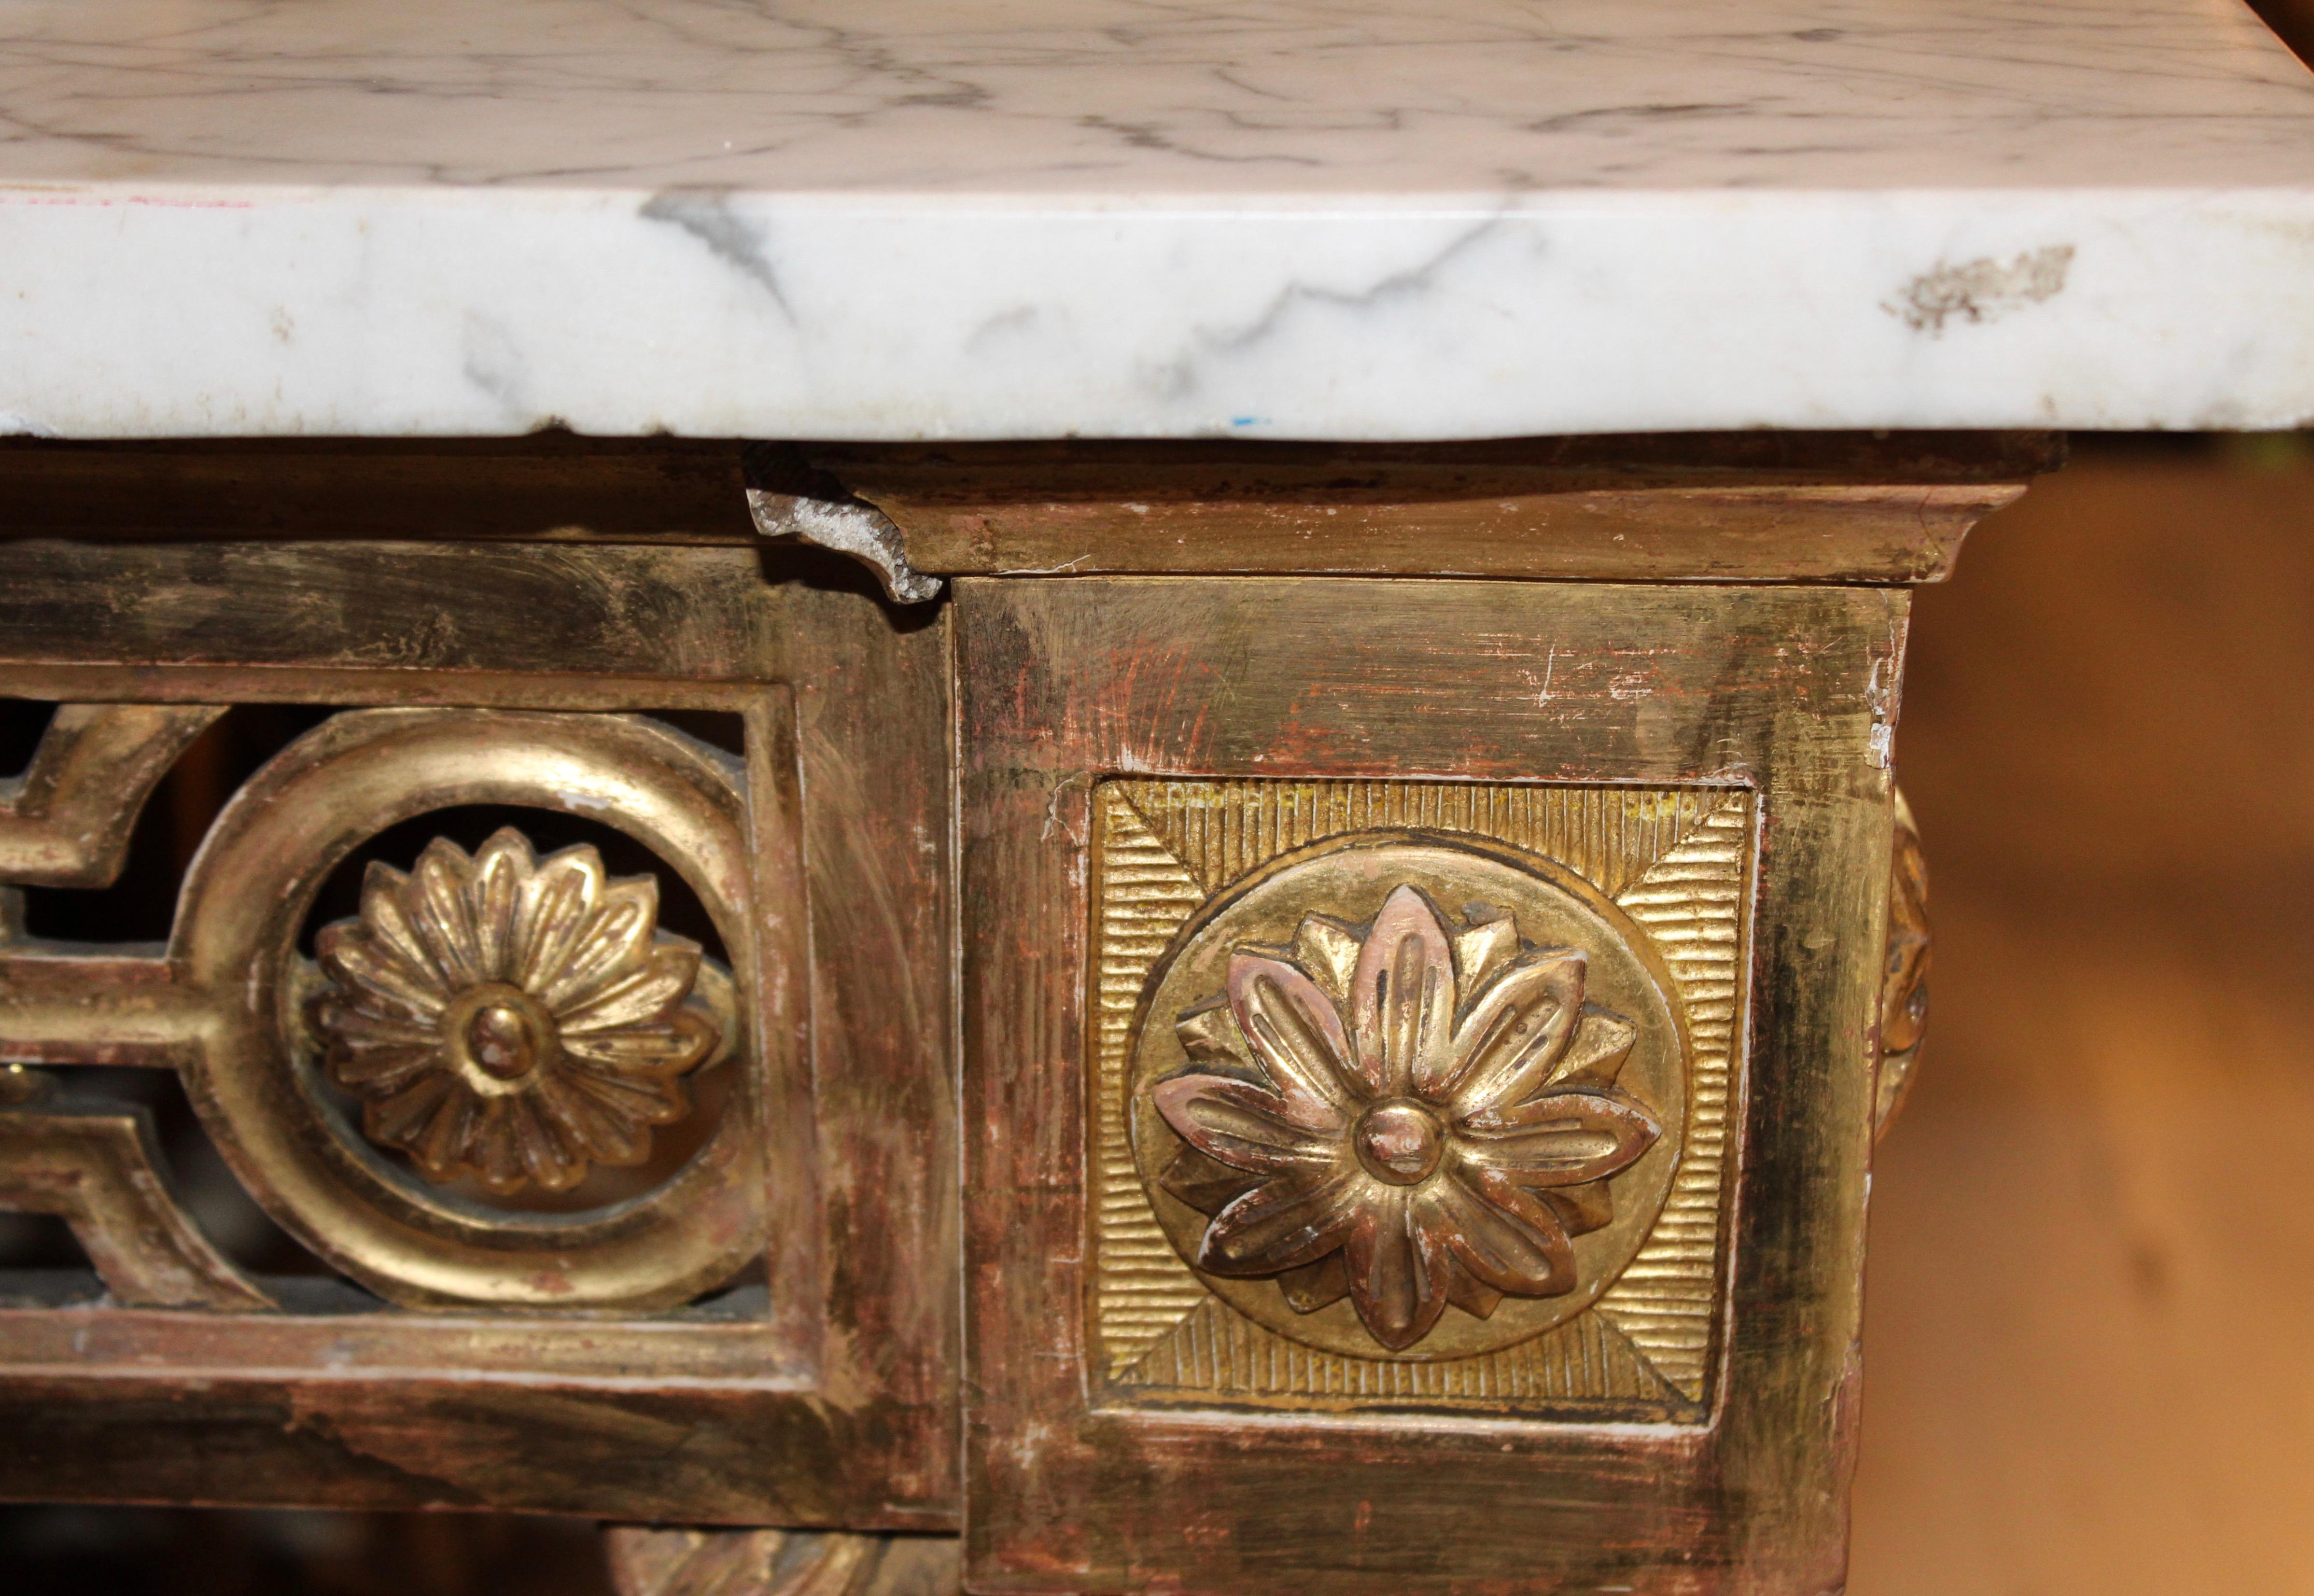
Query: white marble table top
[909,219]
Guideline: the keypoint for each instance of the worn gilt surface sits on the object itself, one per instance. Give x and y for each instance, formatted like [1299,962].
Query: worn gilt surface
[1413,1093]
[1336,1146]
[511,1018]
[676,1562]
[424,1095]
[496,1017]
[1687,785]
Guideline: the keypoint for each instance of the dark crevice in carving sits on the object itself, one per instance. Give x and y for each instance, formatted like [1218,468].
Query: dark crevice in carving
[139,905]
[22,723]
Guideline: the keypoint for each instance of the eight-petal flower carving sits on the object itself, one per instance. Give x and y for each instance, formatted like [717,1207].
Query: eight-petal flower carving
[1434,1113]
[510,1017]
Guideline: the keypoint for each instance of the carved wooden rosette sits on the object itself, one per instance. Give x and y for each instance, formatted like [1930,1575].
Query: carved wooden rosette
[1398,1082]
[511,1020]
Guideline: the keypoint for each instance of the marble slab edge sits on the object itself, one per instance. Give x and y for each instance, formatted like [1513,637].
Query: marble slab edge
[151,312]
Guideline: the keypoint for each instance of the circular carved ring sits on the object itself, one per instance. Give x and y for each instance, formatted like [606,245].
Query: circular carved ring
[255,1084]
[1398,1097]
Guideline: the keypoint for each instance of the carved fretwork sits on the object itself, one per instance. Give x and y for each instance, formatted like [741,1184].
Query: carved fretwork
[100,1172]
[65,821]
[753,1324]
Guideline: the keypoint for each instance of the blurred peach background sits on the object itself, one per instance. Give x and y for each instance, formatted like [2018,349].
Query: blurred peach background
[2089,1322]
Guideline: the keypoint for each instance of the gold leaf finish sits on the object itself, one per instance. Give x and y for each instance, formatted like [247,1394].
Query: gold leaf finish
[513,1019]
[65,822]
[1215,1349]
[263,1095]
[652,1561]
[1690,902]
[1669,866]
[1361,912]
[1422,1104]
[100,1172]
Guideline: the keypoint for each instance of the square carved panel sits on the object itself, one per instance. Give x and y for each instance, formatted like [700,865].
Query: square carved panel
[1418,1086]
[1498,1187]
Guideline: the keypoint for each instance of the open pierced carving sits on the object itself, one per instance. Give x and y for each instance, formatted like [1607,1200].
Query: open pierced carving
[514,1019]
[100,1172]
[570,1062]
[65,821]
[1431,1113]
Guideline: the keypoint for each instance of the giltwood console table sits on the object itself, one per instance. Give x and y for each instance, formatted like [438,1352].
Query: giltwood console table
[1244,930]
